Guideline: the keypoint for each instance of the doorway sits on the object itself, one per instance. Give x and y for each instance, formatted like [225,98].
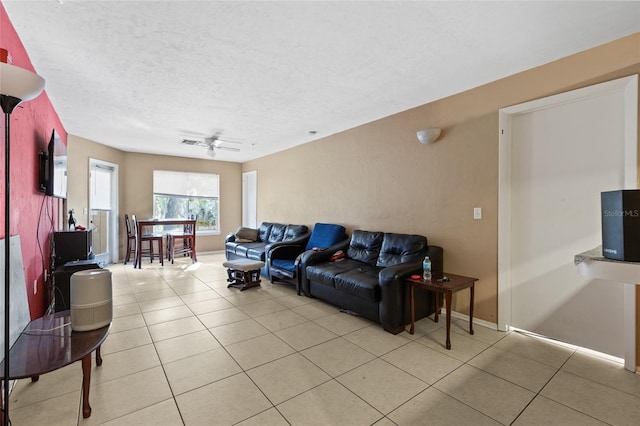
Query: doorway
[556,156]
[250,199]
[103,210]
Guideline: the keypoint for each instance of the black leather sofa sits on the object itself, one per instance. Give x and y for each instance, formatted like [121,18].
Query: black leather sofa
[370,280]
[263,239]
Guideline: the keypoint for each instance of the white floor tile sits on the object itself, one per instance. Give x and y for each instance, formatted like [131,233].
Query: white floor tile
[221,356]
[328,404]
[287,377]
[471,386]
[543,411]
[436,408]
[198,370]
[591,398]
[176,348]
[224,402]
[259,350]
[369,379]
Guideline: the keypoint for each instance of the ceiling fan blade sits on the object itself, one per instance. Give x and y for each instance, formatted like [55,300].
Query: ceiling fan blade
[228,148]
[238,142]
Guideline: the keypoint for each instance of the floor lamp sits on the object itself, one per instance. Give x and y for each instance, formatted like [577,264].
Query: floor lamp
[16,85]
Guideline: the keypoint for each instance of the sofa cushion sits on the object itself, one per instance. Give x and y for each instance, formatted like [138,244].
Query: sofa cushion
[231,246]
[325,273]
[243,249]
[325,235]
[362,282]
[277,233]
[401,248]
[365,246]
[255,250]
[265,229]
[294,231]
[284,265]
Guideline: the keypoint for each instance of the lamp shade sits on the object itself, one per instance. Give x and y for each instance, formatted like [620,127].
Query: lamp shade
[19,83]
[429,135]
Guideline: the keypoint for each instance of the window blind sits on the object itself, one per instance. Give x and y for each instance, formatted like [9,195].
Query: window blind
[185,183]
[101,190]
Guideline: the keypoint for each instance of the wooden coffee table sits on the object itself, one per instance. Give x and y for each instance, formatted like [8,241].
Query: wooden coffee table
[454,283]
[47,344]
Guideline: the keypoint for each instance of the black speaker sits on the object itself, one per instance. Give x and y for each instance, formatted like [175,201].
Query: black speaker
[72,245]
[621,225]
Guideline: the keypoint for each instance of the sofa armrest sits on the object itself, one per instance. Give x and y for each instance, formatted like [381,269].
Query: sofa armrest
[299,241]
[313,257]
[392,298]
[393,275]
[288,251]
[392,286]
[229,238]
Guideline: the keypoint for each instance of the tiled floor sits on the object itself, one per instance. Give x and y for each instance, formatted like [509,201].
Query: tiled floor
[184,349]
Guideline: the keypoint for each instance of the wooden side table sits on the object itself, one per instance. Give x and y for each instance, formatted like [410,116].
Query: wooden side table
[48,343]
[454,283]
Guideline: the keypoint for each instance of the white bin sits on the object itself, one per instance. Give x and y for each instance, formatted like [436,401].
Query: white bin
[91,299]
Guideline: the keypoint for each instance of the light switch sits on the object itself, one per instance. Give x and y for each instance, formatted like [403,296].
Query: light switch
[477,212]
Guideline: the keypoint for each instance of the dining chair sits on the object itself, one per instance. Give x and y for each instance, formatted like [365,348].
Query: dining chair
[187,239]
[131,240]
[149,238]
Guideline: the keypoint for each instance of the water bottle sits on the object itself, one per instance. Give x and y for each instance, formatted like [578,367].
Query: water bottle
[426,269]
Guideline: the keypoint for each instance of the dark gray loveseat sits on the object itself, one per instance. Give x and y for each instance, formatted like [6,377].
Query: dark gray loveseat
[370,281]
[263,239]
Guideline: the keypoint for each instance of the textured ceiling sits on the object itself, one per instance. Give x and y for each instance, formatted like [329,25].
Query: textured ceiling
[142,75]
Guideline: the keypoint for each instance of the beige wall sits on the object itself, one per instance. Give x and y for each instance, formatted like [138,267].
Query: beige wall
[378,177]
[136,185]
[137,198]
[79,151]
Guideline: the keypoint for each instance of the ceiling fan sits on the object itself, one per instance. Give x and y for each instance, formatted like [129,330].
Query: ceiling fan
[212,143]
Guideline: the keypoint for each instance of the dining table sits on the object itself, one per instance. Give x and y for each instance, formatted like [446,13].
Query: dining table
[143,223]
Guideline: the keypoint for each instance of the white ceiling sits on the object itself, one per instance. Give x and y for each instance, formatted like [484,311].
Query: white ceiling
[142,75]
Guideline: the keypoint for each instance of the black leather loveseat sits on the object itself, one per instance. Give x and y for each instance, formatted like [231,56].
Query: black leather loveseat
[252,244]
[370,280]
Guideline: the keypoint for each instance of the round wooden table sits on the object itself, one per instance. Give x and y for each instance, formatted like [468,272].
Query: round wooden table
[47,344]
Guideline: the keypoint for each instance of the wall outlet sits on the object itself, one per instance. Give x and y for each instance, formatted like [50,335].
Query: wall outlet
[35,286]
[477,212]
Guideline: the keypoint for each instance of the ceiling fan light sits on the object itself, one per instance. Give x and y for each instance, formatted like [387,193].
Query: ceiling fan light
[211,152]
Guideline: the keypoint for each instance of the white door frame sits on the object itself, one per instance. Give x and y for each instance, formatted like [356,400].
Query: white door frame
[250,199]
[627,85]
[113,219]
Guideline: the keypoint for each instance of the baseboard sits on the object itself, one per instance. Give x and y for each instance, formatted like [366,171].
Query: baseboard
[457,315]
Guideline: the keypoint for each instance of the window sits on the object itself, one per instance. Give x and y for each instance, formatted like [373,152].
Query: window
[186,194]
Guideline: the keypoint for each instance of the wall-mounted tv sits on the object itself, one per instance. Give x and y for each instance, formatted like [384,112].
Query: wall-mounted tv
[53,168]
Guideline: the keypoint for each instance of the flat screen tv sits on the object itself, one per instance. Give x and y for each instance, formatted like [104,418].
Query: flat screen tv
[53,168]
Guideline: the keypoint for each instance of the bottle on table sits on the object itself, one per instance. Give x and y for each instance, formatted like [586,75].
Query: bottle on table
[426,269]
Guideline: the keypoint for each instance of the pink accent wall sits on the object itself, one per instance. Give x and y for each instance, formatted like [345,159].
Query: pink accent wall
[33,216]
